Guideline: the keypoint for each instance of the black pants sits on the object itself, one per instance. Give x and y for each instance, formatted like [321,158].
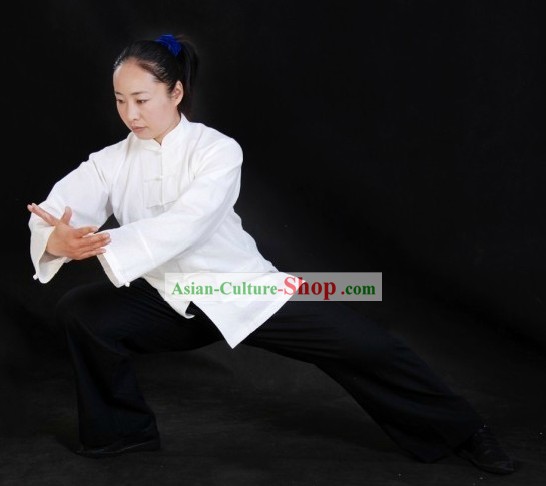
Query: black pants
[393,385]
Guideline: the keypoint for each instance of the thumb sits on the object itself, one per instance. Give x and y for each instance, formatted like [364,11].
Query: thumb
[65,218]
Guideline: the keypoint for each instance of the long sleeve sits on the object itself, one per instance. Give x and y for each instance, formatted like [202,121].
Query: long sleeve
[175,204]
[141,246]
[85,190]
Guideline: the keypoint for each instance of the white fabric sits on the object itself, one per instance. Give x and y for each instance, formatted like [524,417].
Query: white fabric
[174,203]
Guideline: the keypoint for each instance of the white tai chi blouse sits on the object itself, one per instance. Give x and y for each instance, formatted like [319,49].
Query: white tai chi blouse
[174,204]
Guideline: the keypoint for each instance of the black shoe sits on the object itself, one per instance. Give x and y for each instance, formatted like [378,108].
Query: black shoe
[120,447]
[484,451]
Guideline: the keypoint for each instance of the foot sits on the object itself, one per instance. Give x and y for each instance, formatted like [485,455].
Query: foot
[484,451]
[120,447]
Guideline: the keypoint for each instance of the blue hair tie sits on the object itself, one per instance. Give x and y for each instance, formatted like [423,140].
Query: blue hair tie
[170,42]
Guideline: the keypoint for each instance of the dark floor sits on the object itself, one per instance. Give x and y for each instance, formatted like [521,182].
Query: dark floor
[247,417]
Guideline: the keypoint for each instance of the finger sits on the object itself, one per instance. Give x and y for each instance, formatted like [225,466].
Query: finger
[91,253]
[89,243]
[42,213]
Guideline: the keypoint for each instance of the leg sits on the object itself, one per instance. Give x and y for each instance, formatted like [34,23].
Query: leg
[396,387]
[102,325]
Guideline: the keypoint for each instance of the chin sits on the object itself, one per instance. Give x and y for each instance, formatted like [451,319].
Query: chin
[142,135]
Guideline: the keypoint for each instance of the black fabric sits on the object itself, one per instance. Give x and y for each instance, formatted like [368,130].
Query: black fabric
[104,325]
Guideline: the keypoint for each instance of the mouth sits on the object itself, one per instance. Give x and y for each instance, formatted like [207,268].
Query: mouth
[137,129]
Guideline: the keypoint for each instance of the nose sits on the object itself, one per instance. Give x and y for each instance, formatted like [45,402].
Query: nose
[133,112]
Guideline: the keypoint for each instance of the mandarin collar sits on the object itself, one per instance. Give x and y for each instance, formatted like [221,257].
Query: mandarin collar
[170,139]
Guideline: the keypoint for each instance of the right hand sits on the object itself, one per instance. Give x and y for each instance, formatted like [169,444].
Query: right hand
[66,241]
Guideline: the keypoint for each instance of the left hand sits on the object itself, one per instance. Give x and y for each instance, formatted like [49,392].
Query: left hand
[66,241]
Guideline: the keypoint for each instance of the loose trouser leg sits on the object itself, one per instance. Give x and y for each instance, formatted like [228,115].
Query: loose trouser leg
[396,387]
[102,325]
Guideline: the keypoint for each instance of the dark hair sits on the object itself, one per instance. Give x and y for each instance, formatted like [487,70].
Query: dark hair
[160,62]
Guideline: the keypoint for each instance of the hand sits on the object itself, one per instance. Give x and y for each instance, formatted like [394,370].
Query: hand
[66,241]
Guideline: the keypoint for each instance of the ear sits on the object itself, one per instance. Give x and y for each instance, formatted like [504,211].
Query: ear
[177,93]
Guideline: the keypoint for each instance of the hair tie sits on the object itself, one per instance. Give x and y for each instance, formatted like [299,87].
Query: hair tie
[170,42]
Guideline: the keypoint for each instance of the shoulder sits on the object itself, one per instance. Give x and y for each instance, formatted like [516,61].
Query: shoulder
[109,160]
[115,151]
[207,139]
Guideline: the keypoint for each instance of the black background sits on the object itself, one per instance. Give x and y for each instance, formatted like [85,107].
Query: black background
[405,137]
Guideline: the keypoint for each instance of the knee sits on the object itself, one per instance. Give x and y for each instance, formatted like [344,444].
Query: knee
[376,348]
[75,308]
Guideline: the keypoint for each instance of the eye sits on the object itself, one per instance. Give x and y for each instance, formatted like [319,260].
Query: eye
[119,102]
[141,102]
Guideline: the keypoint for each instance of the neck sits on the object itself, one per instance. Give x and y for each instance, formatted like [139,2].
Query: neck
[175,122]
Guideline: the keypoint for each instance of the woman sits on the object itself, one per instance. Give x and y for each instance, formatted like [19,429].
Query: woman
[172,185]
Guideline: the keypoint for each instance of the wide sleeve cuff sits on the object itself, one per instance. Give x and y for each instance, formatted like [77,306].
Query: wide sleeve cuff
[45,264]
[112,269]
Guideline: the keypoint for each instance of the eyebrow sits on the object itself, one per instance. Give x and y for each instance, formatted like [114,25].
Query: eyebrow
[132,94]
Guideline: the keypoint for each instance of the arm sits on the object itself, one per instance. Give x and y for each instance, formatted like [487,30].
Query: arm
[141,246]
[53,241]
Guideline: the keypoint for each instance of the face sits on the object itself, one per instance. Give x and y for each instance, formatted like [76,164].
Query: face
[144,104]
